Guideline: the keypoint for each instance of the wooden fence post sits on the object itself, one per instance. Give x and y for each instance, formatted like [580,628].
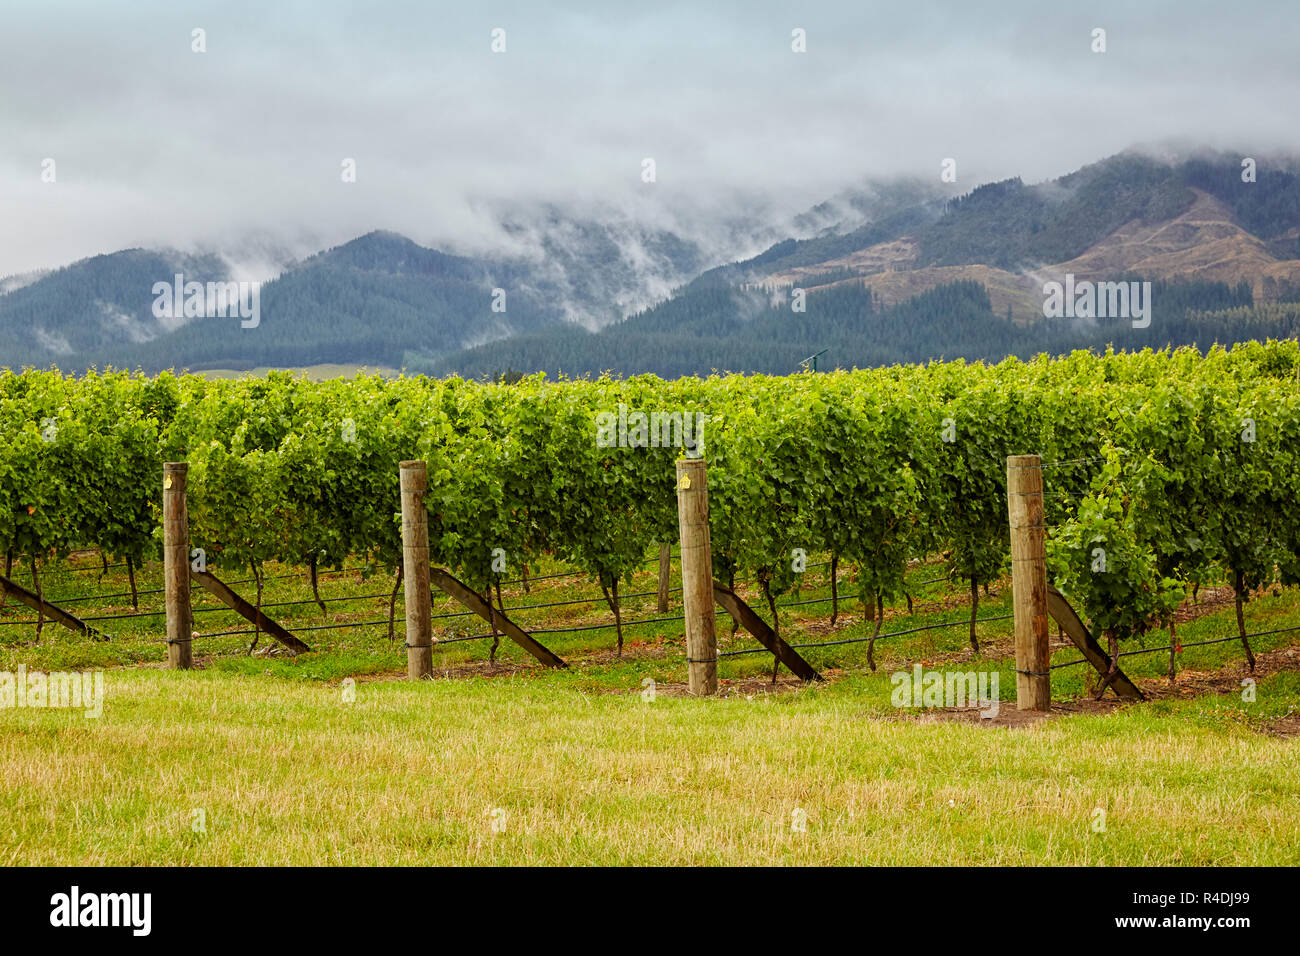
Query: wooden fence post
[697,577]
[1029,581]
[415,570]
[176,566]
[665,575]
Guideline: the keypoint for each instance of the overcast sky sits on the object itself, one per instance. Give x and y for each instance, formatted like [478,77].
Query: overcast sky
[242,145]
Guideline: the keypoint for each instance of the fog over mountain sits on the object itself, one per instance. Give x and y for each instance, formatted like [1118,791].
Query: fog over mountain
[890,272]
[393,175]
[238,150]
[380,296]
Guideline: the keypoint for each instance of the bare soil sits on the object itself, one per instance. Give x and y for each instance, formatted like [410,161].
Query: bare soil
[1186,685]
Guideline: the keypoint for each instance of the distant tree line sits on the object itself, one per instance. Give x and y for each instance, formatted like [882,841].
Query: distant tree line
[745,331]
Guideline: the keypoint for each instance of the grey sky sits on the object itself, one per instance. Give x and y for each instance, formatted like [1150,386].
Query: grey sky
[156,145]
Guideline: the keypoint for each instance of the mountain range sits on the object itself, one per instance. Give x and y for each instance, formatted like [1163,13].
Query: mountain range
[890,271]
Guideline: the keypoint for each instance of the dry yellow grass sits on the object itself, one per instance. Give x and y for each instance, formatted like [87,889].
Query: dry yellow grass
[289,773]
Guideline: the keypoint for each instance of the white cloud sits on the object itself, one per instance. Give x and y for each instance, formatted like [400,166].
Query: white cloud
[159,146]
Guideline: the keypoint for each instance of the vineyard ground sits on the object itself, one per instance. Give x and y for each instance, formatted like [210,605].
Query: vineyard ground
[586,771]
[317,373]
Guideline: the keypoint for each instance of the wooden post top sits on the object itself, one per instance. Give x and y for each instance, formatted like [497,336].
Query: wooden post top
[413,476]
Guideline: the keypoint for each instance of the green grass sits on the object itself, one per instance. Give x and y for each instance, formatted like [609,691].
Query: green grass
[317,373]
[285,771]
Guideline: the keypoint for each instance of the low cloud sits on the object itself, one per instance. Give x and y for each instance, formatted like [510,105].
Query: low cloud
[239,149]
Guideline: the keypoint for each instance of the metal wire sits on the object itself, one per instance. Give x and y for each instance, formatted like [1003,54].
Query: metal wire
[594,600]
[293,574]
[1069,461]
[336,627]
[878,637]
[249,630]
[569,630]
[1170,647]
[295,630]
[544,577]
[921,584]
[333,600]
[101,597]
[59,571]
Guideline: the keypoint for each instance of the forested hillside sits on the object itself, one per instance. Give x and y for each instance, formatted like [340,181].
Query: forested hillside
[963,277]
[700,332]
[894,273]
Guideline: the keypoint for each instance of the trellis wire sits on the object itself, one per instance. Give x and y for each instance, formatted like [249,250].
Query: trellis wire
[294,630]
[1170,647]
[101,597]
[863,640]
[571,630]
[441,616]
[1068,461]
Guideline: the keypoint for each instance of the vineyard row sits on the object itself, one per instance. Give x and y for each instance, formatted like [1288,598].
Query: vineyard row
[1161,470]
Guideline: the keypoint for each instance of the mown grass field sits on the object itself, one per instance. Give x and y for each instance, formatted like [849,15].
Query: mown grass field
[263,758]
[317,373]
